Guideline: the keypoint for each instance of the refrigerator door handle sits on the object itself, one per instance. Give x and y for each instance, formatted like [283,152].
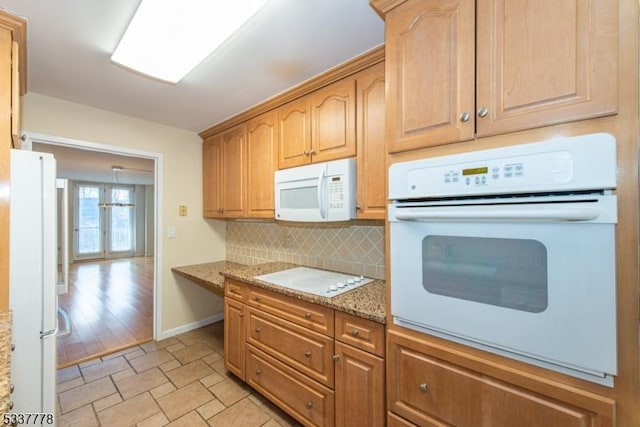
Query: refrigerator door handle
[48,333]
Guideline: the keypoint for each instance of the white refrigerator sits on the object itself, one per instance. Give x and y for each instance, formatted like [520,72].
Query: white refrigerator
[33,281]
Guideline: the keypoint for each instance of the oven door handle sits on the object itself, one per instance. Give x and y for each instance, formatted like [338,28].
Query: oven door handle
[490,213]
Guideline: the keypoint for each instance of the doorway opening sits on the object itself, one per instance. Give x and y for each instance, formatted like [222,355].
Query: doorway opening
[114,281]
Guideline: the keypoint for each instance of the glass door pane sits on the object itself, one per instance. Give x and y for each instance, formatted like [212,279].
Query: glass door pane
[120,226]
[88,229]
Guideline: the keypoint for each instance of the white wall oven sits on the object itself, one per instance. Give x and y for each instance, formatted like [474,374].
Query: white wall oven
[511,250]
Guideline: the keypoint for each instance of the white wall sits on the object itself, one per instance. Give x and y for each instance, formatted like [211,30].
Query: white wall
[197,240]
[149,224]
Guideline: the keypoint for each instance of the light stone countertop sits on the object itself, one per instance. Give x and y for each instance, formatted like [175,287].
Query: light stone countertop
[366,301]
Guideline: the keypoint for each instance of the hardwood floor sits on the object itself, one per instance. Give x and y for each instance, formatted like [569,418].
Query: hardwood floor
[110,304]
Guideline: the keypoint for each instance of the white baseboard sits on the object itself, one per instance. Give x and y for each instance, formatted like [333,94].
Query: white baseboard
[190,326]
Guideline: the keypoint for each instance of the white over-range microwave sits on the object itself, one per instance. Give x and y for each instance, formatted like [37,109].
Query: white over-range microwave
[319,192]
[511,250]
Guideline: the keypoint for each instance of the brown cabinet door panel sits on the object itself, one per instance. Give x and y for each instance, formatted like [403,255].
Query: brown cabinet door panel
[212,174]
[234,346]
[294,133]
[262,149]
[234,151]
[544,62]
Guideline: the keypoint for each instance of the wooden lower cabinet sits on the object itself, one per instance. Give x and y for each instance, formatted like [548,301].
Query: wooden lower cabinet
[360,384]
[234,346]
[285,348]
[427,390]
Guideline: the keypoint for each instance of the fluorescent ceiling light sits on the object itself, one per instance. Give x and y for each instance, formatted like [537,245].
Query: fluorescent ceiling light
[166,39]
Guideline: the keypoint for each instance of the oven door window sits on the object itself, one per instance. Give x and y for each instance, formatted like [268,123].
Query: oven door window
[509,273]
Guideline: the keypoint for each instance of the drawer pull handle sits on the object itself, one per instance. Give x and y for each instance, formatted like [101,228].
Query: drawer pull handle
[355,332]
[309,405]
[307,354]
[240,314]
[258,329]
[257,299]
[424,388]
[258,371]
[12,388]
[307,315]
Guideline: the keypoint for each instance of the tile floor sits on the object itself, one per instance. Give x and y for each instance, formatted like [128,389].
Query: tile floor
[180,381]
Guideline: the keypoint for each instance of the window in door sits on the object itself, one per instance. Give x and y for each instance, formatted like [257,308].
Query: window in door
[88,230]
[120,242]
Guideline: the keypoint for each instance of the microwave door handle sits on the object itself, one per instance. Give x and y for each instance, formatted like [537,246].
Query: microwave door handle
[321,203]
[568,214]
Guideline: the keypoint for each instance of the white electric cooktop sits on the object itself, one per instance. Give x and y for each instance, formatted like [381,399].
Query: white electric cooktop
[314,281]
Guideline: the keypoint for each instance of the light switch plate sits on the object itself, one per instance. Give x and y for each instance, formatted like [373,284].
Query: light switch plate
[171,231]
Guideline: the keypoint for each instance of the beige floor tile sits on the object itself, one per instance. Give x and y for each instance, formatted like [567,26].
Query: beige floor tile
[122,352]
[212,379]
[186,399]
[219,368]
[134,354]
[166,367]
[106,402]
[189,373]
[282,418]
[192,352]
[195,336]
[163,390]
[103,369]
[175,347]
[81,417]
[208,410]
[129,412]
[213,357]
[123,374]
[157,420]
[135,384]
[69,373]
[152,346]
[90,362]
[151,360]
[243,414]
[68,385]
[192,419]
[229,391]
[271,423]
[84,394]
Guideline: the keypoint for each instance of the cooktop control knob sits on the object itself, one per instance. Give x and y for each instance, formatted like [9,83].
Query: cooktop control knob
[350,281]
[341,284]
[333,288]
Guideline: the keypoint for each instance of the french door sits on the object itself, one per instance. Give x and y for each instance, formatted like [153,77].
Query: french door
[103,221]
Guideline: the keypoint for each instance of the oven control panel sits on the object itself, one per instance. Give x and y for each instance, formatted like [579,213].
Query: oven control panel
[561,164]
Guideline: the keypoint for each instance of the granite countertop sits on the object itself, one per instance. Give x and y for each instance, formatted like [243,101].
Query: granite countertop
[366,301]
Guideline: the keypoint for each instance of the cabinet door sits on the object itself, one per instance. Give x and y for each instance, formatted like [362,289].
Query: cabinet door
[262,148]
[430,48]
[234,346]
[370,143]
[544,62]
[294,133]
[211,176]
[234,149]
[333,120]
[359,386]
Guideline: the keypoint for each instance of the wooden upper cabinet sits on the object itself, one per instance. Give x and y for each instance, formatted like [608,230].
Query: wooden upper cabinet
[458,69]
[211,174]
[294,133]
[430,61]
[333,117]
[234,152]
[545,62]
[370,121]
[262,149]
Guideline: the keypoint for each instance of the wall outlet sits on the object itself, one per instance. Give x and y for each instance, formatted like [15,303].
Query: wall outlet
[183,210]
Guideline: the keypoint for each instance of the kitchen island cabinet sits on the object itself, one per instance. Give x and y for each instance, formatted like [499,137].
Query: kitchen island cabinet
[460,69]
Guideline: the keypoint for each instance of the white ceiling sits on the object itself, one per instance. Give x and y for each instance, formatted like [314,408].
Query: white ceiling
[287,42]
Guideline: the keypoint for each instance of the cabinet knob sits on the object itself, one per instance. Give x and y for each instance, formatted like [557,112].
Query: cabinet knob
[464,117]
[309,405]
[258,371]
[312,152]
[10,404]
[258,329]
[483,111]
[12,388]
[335,357]
[305,152]
[307,315]
[240,314]
[424,388]
[307,354]
[256,299]
[355,332]
[13,347]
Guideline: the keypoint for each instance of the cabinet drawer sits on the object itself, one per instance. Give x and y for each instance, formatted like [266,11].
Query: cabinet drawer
[236,290]
[362,333]
[429,391]
[395,421]
[312,316]
[309,352]
[301,397]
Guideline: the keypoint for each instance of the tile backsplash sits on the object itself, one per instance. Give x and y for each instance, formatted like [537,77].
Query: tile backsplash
[356,247]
